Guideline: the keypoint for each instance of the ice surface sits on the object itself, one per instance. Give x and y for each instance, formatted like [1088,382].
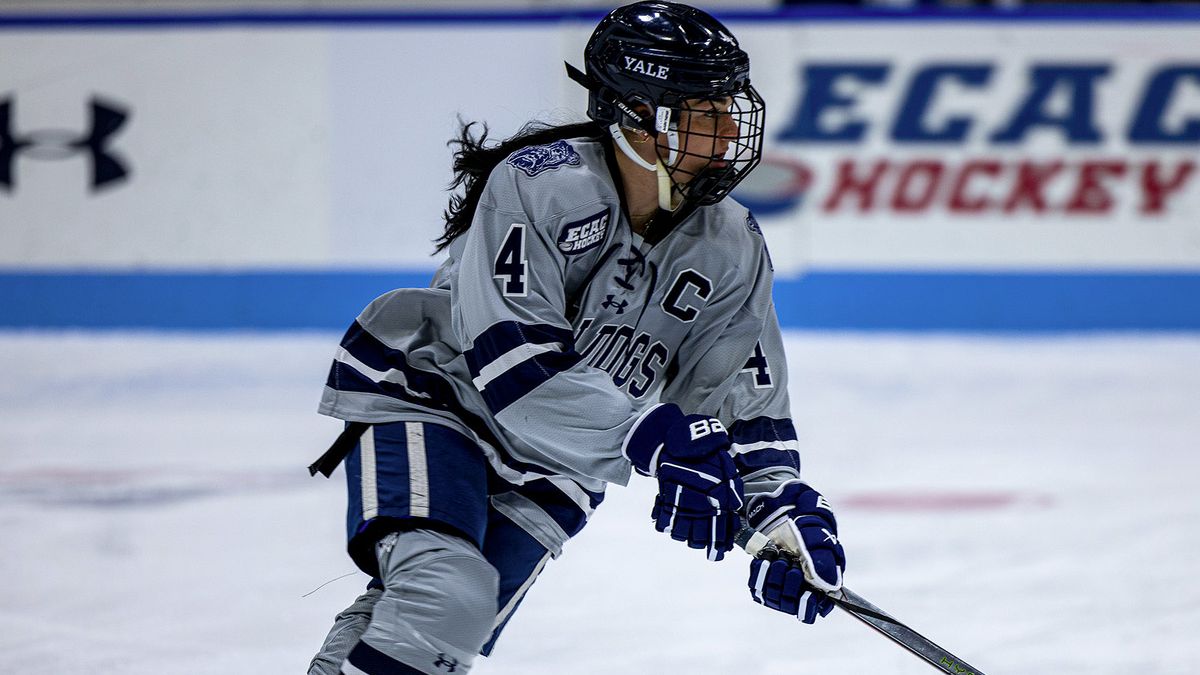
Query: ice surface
[1028,503]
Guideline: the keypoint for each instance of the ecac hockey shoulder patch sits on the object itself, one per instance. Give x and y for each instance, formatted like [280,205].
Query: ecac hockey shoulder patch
[541,158]
[583,235]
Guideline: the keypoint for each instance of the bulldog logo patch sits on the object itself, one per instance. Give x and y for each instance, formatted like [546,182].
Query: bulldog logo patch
[541,158]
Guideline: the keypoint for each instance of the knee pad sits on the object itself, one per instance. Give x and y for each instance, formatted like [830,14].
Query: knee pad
[439,600]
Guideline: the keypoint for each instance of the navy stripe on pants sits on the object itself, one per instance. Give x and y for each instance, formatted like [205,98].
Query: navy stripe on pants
[421,475]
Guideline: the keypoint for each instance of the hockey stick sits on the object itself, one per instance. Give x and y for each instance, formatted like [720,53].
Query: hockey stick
[759,546]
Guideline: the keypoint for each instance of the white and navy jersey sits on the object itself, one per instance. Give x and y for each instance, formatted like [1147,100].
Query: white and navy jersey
[552,325]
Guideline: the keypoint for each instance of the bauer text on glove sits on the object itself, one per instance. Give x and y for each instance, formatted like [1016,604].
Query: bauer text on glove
[699,489]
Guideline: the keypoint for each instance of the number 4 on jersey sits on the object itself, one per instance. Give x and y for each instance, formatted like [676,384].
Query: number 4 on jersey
[510,265]
[759,368]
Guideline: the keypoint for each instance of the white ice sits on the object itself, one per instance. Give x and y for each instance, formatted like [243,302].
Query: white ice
[1029,503]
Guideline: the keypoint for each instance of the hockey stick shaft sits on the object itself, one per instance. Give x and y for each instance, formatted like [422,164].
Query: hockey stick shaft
[759,545]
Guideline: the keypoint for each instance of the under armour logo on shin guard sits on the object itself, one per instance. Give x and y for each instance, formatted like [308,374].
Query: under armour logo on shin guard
[54,144]
[447,663]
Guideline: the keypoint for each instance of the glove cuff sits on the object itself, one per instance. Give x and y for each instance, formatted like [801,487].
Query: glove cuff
[764,509]
[644,442]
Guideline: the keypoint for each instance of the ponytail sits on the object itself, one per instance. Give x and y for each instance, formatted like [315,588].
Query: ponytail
[474,160]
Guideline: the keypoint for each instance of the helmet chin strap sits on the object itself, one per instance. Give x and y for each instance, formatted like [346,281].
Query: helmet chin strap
[666,188]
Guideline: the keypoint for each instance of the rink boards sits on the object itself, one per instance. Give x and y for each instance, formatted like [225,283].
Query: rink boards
[270,171]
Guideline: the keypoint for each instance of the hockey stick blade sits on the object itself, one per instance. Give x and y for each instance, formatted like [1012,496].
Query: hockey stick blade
[759,546]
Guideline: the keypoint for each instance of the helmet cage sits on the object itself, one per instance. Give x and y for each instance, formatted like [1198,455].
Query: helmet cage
[720,170]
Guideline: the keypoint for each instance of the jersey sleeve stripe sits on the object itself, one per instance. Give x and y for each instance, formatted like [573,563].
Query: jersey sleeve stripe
[762,429]
[764,442]
[509,359]
[365,365]
[345,378]
[765,459]
[344,356]
[394,376]
[740,448]
[351,381]
[368,349]
[520,380]
[501,338]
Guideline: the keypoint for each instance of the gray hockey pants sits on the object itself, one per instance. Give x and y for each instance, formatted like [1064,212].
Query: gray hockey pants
[436,610]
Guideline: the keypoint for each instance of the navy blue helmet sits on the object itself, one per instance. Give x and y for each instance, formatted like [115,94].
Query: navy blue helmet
[648,62]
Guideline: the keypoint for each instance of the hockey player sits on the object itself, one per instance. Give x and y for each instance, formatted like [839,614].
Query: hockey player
[605,308]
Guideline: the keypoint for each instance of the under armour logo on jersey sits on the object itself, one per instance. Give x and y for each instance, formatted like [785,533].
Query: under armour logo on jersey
[610,301]
[447,663]
[55,144]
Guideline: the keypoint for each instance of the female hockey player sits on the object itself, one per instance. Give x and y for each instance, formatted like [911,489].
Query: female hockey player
[604,308]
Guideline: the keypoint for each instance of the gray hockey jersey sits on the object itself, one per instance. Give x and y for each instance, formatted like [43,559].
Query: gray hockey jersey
[552,326]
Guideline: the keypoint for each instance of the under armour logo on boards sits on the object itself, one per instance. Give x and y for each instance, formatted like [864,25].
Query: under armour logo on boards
[55,144]
[447,663]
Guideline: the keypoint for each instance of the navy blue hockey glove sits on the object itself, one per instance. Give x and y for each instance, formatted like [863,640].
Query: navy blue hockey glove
[801,522]
[699,489]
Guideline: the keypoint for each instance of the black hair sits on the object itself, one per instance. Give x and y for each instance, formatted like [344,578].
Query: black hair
[474,160]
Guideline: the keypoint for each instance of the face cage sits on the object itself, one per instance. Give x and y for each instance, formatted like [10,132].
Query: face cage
[710,184]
